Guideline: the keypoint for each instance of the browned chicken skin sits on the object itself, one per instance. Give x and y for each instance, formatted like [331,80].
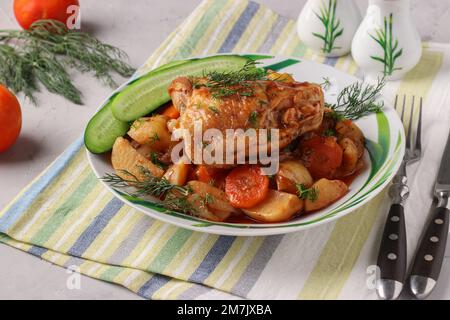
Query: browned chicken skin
[293,108]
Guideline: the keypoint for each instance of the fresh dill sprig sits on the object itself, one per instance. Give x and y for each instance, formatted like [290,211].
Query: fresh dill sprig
[16,73]
[149,186]
[214,109]
[249,72]
[326,84]
[138,123]
[179,204]
[218,93]
[253,118]
[224,84]
[47,51]
[154,138]
[209,199]
[329,133]
[175,197]
[306,193]
[154,158]
[246,93]
[358,100]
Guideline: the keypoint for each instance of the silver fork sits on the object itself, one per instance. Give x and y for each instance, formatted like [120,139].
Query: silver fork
[392,254]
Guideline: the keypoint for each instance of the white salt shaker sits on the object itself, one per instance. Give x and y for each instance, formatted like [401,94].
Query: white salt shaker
[387,42]
[328,26]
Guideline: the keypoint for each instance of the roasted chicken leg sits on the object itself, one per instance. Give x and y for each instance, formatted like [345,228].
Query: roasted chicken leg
[292,107]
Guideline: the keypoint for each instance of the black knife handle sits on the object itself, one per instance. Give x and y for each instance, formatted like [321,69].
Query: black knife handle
[392,254]
[431,250]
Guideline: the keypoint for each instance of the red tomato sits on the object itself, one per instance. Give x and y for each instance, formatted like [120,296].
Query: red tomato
[29,11]
[322,156]
[246,186]
[10,118]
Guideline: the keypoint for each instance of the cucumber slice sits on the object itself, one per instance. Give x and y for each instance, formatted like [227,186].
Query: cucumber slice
[149,92]
[169,65]
[161,67]
[103,129]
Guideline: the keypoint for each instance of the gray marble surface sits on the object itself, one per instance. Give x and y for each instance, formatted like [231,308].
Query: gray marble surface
[138,27]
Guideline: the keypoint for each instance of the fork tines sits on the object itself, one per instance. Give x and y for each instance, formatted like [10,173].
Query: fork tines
[413,143]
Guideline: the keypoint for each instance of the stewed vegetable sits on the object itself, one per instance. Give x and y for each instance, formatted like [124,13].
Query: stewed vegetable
[246,186]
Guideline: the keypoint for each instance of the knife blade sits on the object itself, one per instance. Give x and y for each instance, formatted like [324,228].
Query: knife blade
[431,249]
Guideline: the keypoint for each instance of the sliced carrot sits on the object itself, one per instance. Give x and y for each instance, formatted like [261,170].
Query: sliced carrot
[213,176]
[246,186]
[204,174]
[171,112]
[192,174]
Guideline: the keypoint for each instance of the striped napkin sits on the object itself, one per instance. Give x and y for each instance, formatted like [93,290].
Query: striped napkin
[67,217]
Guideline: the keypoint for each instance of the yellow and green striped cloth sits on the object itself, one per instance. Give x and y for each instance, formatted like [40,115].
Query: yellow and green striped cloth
[67,217]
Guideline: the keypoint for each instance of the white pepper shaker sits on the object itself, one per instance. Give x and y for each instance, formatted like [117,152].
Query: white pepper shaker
[387,42]
[328,26]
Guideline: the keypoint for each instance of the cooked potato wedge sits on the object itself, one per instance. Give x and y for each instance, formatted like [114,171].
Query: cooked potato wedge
[125,158]
[290,173]
[215,199]
[201,209]
[347,129]
[327,191]
[277,207]
[146,150]
[152,131]
[177,174]
[281,77]
[349,156]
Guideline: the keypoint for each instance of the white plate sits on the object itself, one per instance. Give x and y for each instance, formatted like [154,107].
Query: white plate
[384,151]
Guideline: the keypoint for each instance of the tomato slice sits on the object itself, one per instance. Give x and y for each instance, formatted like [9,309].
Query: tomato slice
[246,186]
[322,156]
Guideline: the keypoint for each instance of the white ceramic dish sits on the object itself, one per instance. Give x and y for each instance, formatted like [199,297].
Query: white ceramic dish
[384,150]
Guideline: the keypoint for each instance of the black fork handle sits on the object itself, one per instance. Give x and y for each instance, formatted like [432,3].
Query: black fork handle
[392,254]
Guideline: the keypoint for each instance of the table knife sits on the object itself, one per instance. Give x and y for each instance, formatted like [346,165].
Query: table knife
[431,249]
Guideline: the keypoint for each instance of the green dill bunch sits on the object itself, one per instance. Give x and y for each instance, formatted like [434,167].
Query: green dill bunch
[48,51]
[225,84]
[357,100]
[173,197]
